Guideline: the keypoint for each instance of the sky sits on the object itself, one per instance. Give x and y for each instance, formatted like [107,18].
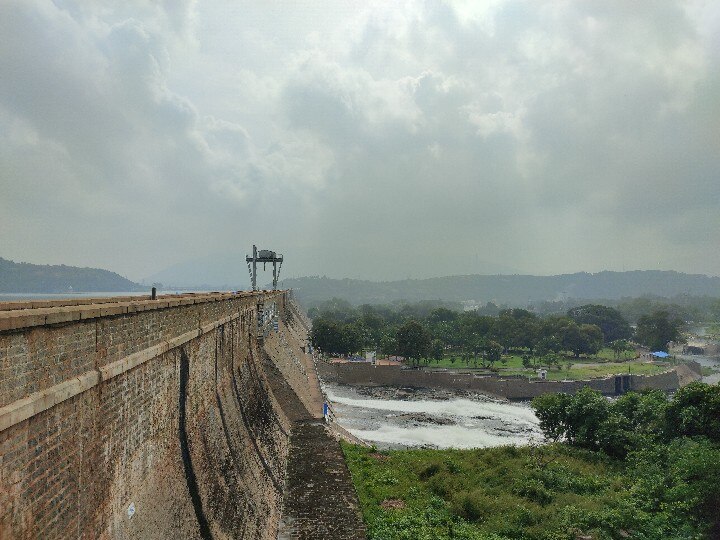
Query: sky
[374,139]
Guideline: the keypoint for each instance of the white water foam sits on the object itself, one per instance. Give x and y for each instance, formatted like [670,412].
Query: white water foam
[474,423]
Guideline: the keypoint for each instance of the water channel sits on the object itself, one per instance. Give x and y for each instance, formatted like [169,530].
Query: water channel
[410,418]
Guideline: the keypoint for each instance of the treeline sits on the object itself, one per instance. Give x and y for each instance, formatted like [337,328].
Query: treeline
[686,307]
[429,330]
[670,448]
[511,290]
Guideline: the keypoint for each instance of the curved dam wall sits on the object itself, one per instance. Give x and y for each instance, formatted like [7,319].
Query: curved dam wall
[135,418]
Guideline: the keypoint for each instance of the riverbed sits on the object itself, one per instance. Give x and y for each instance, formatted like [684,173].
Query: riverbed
[391,417]
[705,361]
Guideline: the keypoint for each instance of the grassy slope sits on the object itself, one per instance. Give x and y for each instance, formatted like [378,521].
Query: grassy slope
[546,493]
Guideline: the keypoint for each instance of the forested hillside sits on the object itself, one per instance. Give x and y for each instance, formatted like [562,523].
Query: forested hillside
[515,290]
[35,278]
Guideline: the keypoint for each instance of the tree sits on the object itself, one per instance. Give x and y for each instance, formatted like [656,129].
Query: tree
[413,341]
[619,346]
[578,418]
[581,339]
[658,329]
[610,321]
[694,411]
[492,352]
[388,342]
[437,350]
[352,338]
[326,335]
[441,315]
[551,410]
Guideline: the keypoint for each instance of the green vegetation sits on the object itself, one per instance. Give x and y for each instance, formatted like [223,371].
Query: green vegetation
[563,367]
[515,341]
[494,493]
[640,467]
[657,329]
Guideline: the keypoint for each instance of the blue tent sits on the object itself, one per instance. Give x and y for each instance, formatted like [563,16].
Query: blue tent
[660,354]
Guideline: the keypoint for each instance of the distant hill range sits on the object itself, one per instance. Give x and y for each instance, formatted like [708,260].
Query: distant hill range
[36,278]
[510,290]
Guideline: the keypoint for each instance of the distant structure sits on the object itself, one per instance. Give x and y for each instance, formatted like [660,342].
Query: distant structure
[263,256]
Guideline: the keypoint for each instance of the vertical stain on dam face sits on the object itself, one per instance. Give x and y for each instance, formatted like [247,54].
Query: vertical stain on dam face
[205,533]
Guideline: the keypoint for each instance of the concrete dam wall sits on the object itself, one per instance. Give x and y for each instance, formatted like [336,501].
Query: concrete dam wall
[136,418]
[519,388]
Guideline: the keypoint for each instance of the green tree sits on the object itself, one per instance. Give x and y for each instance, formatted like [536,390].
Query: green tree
[437,350]
[326,336]
[492,352]
[581,339]
[578,418]
[552,411]
[352,338]
[657,329]
[610,321]
[694,411]
[619,346]
[413,341]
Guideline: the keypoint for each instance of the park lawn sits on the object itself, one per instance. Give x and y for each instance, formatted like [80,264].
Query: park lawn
[534,493]
[582,372]
[601,365]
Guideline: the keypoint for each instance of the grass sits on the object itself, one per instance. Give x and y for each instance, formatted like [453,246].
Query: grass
[601,365]
[708,370]
[533,493]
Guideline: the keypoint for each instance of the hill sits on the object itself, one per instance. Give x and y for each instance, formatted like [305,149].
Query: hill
[36,278]
[511,290]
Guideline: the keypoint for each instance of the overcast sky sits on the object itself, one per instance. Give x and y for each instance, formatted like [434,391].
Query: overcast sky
[362,139]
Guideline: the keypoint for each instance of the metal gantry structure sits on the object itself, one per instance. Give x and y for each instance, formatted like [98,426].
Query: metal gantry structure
[263,256]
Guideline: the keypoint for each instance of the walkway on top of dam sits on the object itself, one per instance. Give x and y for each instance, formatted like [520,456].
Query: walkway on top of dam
[319,502]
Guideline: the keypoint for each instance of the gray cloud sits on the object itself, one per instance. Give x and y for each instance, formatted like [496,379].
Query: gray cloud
[419,139]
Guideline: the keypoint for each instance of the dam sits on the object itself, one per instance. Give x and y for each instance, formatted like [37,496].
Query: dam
[184,416]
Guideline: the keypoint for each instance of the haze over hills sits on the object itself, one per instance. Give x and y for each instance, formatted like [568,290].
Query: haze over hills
[214,271]
[36,278]
[230,273]
[507,289]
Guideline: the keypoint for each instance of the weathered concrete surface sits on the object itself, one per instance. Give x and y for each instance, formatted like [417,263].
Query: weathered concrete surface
[134,418]
[319,499]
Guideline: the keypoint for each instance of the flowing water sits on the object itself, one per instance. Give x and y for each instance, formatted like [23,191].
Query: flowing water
[401,418]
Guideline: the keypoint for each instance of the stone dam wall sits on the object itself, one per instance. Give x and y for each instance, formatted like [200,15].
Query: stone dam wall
[137,418]
[511,388]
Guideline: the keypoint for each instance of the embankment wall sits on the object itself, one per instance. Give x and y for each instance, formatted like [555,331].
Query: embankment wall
[510,388]
[132,418]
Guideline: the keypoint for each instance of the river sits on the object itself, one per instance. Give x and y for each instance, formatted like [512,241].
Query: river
[705,361]
[407,418]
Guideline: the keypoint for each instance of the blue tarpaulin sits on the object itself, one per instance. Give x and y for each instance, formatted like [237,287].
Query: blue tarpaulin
[660,354]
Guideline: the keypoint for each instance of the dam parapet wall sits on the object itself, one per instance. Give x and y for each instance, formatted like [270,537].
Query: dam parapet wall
[136,418]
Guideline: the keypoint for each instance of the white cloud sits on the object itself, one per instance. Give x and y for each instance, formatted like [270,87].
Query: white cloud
[545,137]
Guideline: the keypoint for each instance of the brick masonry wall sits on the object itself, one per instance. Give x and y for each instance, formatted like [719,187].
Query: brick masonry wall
[191,437]
[515,388]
